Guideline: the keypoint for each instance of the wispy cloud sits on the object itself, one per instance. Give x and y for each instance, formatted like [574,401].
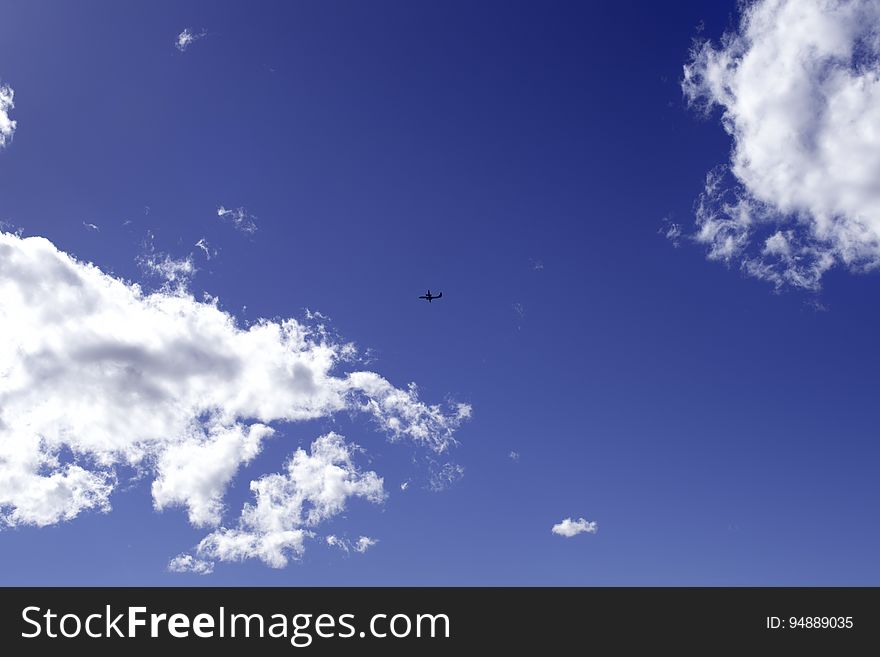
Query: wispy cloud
[569,528]
[520,311]
[7,125]
[444,475]
[203,245]
[92,227]
[240,218]
[361,545]
[671,231]
[186,563]
[174,271]
[801,193]
[187,37]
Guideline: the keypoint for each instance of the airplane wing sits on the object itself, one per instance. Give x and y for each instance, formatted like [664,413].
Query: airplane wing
[423,297]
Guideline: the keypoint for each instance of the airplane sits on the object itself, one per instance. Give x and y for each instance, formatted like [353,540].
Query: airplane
[429,297]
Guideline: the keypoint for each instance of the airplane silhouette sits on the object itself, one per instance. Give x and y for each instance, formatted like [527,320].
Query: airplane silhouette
[429,297]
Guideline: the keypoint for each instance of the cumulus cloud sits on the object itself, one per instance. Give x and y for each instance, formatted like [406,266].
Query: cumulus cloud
[7,125]
[798,86]
[195,471]
[240,219]
[187,37]
[569,527]
[314,487]
[97,376]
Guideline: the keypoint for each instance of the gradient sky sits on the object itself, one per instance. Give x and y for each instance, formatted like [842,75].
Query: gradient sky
[520,157]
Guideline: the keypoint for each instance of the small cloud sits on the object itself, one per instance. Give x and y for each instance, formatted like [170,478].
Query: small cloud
[7,125]
[537,265]
[186,563]
[172,271]
[513,456]
[316,315]
[239,218]
[176,272]
[671,231]
[520,311]
[360,546]
[89,226]
[204,246]
[364,543]
[444,476]
[187,37]
[569,527]
[9,227]
[404,485]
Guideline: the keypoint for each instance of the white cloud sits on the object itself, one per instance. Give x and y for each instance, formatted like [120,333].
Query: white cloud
[206,248]
[187,37]
[671,231]
[361,545]
[401,415]
[513,456]
[314,487]
[90,226]
[7,125]
[443,476]
[195,471]
[186,563]
[174,271]
[799,88]
[569,527]
[239,218]
[96,375]
[364,543]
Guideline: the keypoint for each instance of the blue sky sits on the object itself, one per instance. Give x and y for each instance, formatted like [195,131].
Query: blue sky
[522,158]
